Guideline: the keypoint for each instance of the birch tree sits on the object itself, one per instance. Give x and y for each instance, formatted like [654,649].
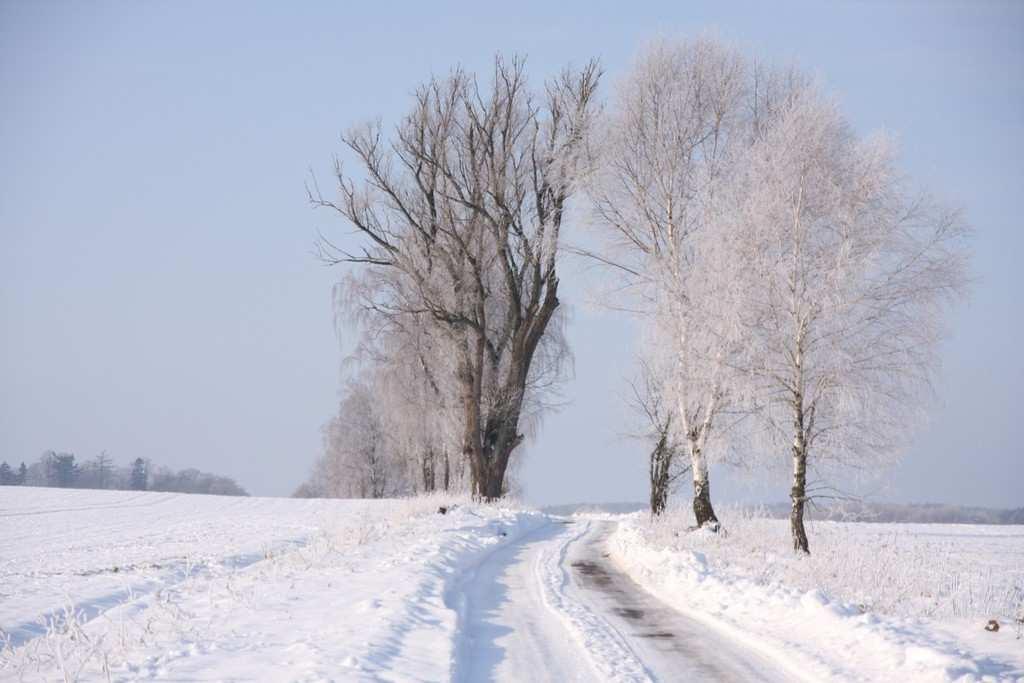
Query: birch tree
[464,204]
[677,119]
[843,274]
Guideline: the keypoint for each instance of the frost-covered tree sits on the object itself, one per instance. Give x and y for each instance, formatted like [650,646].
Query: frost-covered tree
[411,362]
[672,135]
[356,461]
[460,213]
[841,275]
[400,370]
[103,467]
[417,420]
[98,473]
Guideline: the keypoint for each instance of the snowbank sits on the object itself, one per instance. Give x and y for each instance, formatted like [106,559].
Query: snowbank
[734,585]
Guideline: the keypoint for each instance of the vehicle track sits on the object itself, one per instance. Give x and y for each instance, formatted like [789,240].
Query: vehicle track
[553,607]
[672,646]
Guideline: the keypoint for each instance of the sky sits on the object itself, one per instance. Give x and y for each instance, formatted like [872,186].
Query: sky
[158,292]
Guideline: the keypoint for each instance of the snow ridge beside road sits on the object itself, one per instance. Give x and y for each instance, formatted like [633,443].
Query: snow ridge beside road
[806,631]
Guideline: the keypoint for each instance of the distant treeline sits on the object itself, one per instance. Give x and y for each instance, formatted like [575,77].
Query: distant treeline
[910,513]
[854,511]
[61,470]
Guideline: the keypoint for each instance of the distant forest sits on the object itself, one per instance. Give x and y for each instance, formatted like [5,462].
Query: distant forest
[913,513]
[61,470]
[846,511]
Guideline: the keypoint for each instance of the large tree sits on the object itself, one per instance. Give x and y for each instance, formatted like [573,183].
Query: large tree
[464,206]
[842,274]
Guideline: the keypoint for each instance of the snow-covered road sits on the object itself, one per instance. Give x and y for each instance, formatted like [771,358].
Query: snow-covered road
[506,629]
[554,605]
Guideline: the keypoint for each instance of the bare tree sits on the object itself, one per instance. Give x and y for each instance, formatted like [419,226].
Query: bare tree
[679,116]
[665,467]
[460,214]
[842,275]
[102,468]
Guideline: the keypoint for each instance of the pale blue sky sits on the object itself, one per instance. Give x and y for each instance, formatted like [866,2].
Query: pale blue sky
[158,297]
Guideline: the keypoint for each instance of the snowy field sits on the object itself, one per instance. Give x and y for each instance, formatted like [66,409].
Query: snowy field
[185,587]
[873,601]
[100,585]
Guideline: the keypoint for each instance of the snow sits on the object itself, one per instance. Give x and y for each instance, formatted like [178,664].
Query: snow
[872,602]
[124,585]
[274,589]
[235,588]
[505,637]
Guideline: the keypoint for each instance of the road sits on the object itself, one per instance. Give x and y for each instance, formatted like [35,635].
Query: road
[553,607]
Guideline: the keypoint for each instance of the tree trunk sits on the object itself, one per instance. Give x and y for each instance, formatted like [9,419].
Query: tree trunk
[798,494]
[492,486]
[447,471]
[799,497]
[661,462]
[475,474]
[429,482]
[472,448]
[489,485]
[500,436]
[702,510]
